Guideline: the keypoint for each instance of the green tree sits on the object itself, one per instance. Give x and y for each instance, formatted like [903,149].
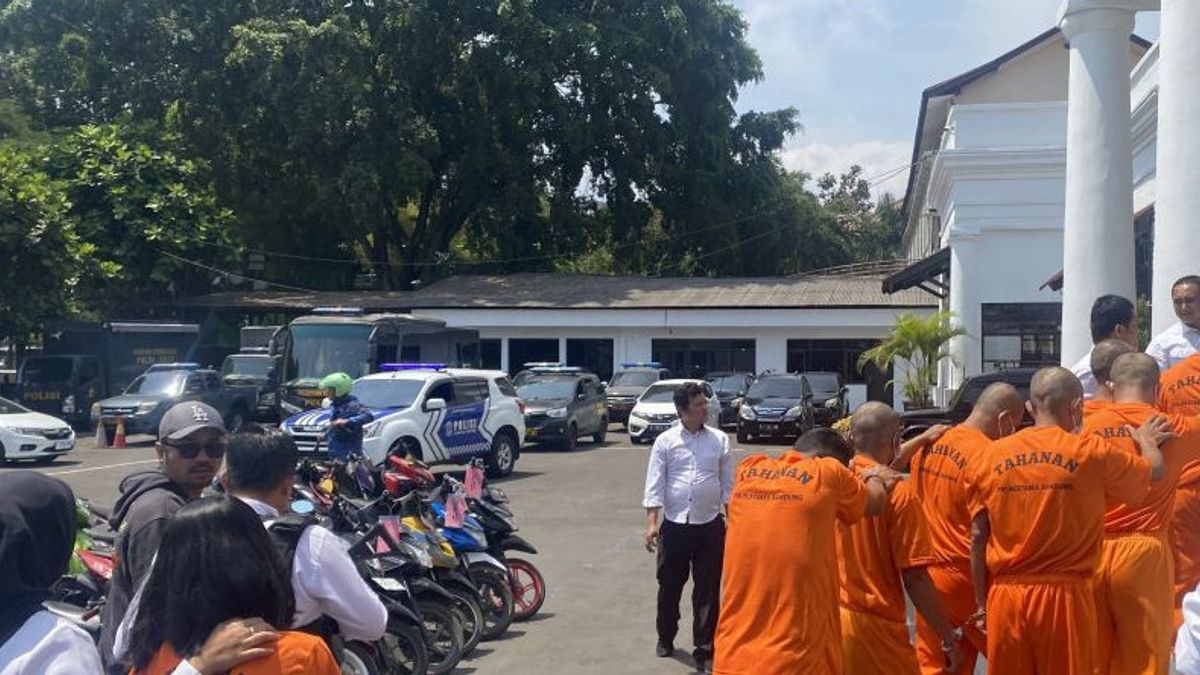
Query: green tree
[867,230]
[921,343]
[40,255]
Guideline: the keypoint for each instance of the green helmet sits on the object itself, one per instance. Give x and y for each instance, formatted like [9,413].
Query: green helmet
[338,382]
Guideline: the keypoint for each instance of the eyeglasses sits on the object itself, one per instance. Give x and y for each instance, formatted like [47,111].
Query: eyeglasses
[215,449]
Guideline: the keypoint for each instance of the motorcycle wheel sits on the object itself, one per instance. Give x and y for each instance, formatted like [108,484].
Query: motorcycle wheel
[528,587]
[358,659]
[403,649]
[497,599]
[443,636]
[469,609]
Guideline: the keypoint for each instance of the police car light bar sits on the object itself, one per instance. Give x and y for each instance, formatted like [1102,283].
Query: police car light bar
[394,367]
[344,311]
[159,367]
[542,364]
[642,364]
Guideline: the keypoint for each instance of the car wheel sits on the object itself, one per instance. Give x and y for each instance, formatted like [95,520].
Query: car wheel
[599,436]
[503,456]
[742,436]
[45,461]
[572,440]
[3,459]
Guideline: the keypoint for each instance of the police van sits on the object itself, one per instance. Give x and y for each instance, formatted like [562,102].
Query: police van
[439,415]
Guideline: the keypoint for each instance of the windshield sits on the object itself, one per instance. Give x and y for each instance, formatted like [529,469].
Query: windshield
[547,388]
[7,407]
[775,387]
[46,369]
[387,393]
[728,384]
[659,393]
[318,350]
[634,378]
[823,382]
[248,366]
[167,382]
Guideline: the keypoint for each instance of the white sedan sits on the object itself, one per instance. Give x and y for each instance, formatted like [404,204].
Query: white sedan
[25,434]
[654,412]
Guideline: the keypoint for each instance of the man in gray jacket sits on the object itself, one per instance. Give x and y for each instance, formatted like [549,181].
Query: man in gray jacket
[191,445]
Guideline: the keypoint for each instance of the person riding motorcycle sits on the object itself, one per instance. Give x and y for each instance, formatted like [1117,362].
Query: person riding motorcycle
[347,419]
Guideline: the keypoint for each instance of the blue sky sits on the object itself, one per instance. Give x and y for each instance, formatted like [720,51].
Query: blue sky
[855,69]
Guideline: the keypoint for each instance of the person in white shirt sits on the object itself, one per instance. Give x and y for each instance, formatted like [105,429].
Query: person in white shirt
[1183,339]
[261,471]
[1113,318]
[688,481]
[1187,640]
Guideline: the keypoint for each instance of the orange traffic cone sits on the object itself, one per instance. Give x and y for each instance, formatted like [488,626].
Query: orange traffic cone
[101,435]
[119,437]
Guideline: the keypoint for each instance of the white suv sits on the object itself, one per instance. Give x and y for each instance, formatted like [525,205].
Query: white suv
[654,412]
[442,416]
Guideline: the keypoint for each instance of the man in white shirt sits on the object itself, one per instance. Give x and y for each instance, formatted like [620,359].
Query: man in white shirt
[689,480]
[1183,339]
[1113,318]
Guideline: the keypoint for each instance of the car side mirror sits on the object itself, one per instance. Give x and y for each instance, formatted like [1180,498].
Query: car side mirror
[603,386]
[435,404]
[845,390]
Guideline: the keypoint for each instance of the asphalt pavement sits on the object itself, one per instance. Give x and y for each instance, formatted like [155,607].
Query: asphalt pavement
[583,512]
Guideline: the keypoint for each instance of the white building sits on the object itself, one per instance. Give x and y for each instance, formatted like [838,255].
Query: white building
[691,325]
[1039,171]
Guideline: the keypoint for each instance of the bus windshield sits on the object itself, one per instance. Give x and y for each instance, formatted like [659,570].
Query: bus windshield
[318,350]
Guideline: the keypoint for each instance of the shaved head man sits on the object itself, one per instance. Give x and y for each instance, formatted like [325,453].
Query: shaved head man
[1104,354]
[1037,499]
[1134,585]
[940,483]
[883,556]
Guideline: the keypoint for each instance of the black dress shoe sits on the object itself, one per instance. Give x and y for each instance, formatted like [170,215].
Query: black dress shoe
[663,650]
[704,662]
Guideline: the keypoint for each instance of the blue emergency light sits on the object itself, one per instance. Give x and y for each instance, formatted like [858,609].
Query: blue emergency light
[642,364]
[396,367]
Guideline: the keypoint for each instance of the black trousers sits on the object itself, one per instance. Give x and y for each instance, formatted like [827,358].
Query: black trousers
[699,549]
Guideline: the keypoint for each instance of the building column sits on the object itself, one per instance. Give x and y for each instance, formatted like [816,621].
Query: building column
[504,355]
[966,351]
[1176,231]
[770,353]
[1098,250]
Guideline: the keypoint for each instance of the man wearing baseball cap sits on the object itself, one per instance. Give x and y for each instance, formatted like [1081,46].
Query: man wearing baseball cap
[190,447]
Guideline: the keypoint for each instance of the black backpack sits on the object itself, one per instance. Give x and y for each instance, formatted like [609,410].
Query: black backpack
[285,533]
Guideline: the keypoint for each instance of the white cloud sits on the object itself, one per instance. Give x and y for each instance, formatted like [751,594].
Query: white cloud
[884,163]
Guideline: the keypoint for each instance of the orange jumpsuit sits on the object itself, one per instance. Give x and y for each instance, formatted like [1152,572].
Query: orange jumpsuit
[937,476]
[1179,393]
[871,555]
[779,600]
[1045,492]
[1134,585]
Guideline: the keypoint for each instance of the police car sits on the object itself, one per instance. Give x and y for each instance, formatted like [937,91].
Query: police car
[440,415]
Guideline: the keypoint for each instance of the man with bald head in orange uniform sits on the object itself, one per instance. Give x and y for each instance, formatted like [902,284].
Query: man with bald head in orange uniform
[1179,393]
[1104,355]
[779,602]
[937,475]
[1133,586]
[883,556]
[1037,500]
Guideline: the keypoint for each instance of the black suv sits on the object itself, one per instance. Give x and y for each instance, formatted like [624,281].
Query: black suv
[628,384]
[777,405]
[917,421]
[730,387]
[562,404]
[829,396]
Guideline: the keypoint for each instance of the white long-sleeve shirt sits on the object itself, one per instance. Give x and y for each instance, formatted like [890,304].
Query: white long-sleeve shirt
[1083,371]
[690,475]
[1187,641]
[1174,345]
[49,645]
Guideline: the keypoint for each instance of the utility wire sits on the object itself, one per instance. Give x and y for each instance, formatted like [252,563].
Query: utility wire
[233,274]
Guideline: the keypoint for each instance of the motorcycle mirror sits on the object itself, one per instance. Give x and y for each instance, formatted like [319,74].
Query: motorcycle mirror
[303,507]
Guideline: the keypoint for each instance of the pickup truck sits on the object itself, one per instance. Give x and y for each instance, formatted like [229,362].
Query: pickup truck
[152,394]
[261,371]
[917,421]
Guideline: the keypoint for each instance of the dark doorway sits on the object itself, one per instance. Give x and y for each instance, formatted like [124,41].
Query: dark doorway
[523,350]
[595,355]
[840,356]
[695,358]
[489,354]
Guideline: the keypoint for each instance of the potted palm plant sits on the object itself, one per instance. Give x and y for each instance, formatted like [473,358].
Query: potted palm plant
[921,343]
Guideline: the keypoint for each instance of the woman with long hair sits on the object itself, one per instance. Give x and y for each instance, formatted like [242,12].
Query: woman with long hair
[217,563]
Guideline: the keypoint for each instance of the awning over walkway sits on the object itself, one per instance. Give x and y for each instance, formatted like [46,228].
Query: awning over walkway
[922,274]
[1054,283]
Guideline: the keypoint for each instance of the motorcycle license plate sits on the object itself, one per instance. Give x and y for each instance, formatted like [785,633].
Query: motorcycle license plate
[390,584]
[64,445]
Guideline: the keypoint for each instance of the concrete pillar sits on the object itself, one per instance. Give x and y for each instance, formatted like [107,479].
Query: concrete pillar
[770,353]
[1176,212]
[1098,228]
[562,351]
[966,352]
[504,355]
